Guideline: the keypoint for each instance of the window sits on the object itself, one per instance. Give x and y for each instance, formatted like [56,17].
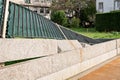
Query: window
[118,4]
[27,1]
[35,11]
[47,11]
[100,6]
[42,10]
[42,1]
[48,0]
[36,0]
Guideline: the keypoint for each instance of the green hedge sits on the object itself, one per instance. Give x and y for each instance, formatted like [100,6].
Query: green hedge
[108,21]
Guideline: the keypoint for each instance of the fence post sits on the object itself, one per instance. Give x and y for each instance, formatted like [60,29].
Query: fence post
[117,47]
[2,65]
[5,19]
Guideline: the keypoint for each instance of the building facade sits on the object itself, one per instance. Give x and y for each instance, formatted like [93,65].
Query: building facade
[18,1]
[41,7]
[103,6]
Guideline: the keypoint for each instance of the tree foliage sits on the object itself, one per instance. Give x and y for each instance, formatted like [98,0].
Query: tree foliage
[91,10]
[59,17]
[75,22]
[83,9]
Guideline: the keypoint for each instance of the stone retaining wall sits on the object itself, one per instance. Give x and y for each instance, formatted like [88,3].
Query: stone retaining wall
[31,70]
[66,45]
[98,49]
[118,45]
[60,66]
[15,49]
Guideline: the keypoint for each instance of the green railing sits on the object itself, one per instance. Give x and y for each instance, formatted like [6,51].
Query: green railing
[2,8]
[24,23]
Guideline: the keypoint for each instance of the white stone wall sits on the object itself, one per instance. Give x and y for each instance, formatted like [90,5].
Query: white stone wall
[67,45]
[78,68]
[31,70]
[63,65]
[97,50]
[15,49]
[108,53]
[118,46]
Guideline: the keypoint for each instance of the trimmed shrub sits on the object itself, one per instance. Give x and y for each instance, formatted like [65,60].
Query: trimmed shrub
[108,21]
[75,22]
[59,17]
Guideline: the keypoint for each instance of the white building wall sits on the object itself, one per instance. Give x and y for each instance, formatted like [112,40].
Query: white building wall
[39,2]
[42,3]
[108,5]
[18,1]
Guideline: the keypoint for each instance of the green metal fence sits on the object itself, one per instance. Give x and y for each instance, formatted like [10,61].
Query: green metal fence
[75,36]
[24,23]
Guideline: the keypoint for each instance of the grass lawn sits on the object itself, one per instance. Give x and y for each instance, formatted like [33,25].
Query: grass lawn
[92,33]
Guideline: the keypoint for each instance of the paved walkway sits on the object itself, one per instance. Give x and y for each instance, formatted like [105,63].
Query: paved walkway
[110,71]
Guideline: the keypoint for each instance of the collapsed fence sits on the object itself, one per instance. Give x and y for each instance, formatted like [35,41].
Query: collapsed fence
[20,22]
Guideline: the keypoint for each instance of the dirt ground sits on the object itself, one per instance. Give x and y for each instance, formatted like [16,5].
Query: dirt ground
[110,71]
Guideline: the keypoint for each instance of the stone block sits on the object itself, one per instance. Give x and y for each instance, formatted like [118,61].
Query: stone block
[15,49]
[110,45]
[98,49]
[65,60]
[79,68]
[118,42]
[118,46]
[66,45]
[2,65]
[33,69]
[29,70]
